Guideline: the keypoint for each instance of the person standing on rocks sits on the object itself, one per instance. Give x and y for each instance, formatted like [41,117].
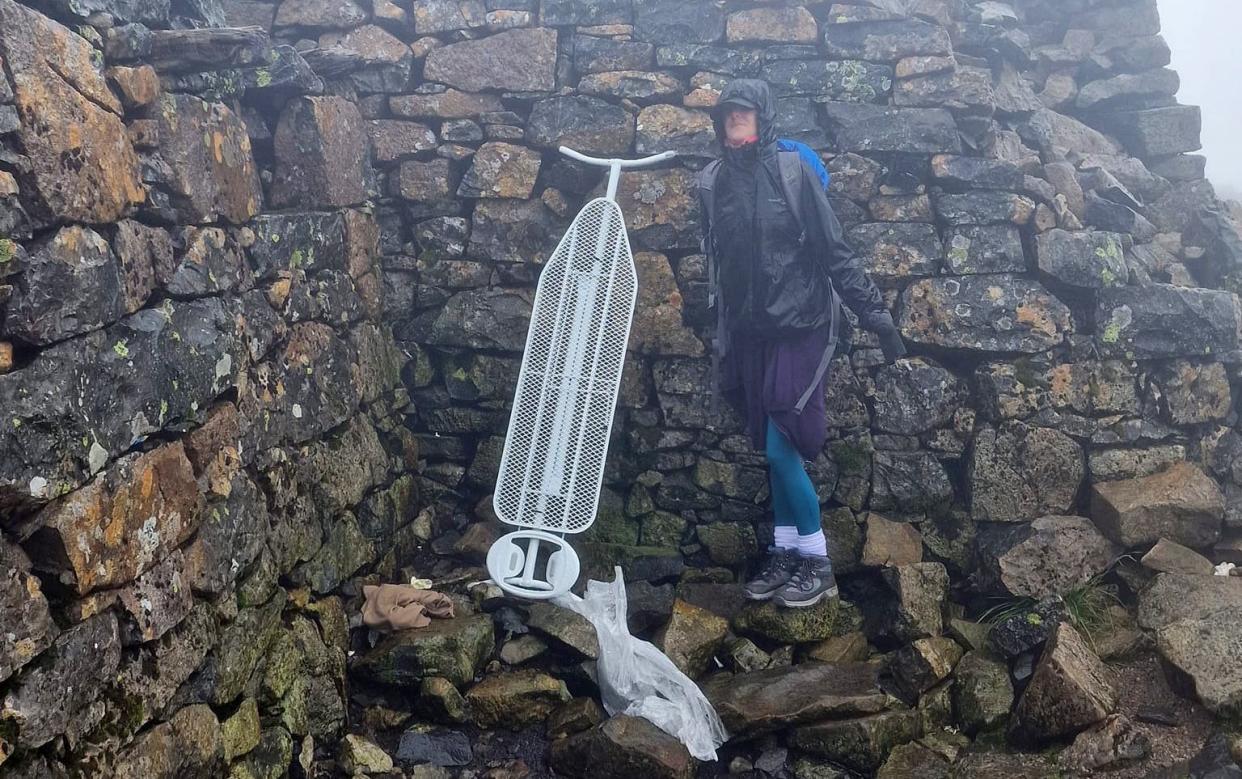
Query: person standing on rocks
[779,270]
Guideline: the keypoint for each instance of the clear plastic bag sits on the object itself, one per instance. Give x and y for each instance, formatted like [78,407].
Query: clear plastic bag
[637,679]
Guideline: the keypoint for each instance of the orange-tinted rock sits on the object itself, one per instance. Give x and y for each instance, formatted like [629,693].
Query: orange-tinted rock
[501,170]
[520,60]
[321,154]
[82,166]
[115,528]
[658,326]
[772,25]
[207,152]
[138,86]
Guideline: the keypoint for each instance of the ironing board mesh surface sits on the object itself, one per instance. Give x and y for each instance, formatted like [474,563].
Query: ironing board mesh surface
[553,461]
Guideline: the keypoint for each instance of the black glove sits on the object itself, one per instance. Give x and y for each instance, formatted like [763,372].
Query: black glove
[892,345]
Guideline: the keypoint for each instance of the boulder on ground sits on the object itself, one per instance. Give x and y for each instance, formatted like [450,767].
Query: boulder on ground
[691,637]
[1197,621]
[862,743]
[1050,556]
[1182,504]
[1069,690]
[515,700]
[982,693]
[1171,557]
[763,701]
[621,748]
[454,649]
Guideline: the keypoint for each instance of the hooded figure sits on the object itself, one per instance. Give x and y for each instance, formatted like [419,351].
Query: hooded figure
[777,279]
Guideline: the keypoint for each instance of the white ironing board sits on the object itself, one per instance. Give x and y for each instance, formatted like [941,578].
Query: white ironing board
[553,461]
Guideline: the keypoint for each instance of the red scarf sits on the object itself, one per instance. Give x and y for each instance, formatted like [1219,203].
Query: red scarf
[744,142]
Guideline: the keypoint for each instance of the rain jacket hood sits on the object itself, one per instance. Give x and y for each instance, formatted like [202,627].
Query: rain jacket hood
[750,93]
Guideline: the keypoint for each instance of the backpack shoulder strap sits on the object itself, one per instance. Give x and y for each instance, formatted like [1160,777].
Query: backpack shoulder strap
[707,186]
[790,163]
[707,202]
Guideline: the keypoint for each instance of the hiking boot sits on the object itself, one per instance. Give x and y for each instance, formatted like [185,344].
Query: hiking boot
[774,574]
[810,582]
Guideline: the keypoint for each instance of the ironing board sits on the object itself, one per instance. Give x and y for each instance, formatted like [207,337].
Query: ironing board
[553,461]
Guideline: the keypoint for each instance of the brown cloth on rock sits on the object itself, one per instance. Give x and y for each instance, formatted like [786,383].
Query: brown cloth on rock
[400,606]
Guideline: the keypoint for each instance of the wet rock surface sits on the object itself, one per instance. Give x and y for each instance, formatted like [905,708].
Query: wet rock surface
[265,275]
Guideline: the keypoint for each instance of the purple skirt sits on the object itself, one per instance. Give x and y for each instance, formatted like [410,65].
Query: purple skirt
[764,378]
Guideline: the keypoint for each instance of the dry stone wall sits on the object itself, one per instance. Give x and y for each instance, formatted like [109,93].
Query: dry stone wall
[203,431]
[265,274]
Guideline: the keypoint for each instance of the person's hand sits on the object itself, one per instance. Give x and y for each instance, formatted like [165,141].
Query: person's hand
[892,345]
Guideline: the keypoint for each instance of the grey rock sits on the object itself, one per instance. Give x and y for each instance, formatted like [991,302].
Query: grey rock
[622,747]
[908,482]
[66,284]
[1087,259]
[759,702]
[1056,133]
[483,319]
[1182,504]
[691,637]
[984,208]
[983,313]
[1166,321]
[897,250]
[1018,472]
[862,743]
[514,231]
[923,664]
[915,395]
[1130,90]
[454,649]
[886,41]
[967,89]
[668,22]
[982,693]
[666,127]
[62,697]
[1069,690]
[970,249]
[717,59]
[1171,557]
[865,128]
[643,87]
[319,162]
[847,80]
[1050,556]
[515,60]
[442,748]
[586,124]
[1156,132]
[909,606]
[515,700]
[1118,464]
[1191,393]
[567,628]
[26,626]
[596,55]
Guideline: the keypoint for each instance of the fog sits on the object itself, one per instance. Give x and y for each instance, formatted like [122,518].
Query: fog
[1207,54]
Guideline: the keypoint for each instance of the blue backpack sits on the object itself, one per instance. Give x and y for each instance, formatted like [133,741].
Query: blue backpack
[808,154]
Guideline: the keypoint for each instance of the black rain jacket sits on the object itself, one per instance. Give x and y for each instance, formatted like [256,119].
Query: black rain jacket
[774,273]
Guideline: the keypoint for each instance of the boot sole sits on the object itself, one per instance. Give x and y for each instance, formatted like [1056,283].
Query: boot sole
[759,596]
[802,604]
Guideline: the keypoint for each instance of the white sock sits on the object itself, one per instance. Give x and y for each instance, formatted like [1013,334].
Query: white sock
[787,537]
[813,545]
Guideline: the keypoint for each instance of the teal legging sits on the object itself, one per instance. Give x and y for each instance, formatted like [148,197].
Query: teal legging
[794,501]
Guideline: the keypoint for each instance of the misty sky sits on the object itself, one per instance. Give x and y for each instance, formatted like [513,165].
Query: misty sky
[1206,38]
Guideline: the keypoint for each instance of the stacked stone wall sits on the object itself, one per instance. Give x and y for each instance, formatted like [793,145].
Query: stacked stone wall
[266,270]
